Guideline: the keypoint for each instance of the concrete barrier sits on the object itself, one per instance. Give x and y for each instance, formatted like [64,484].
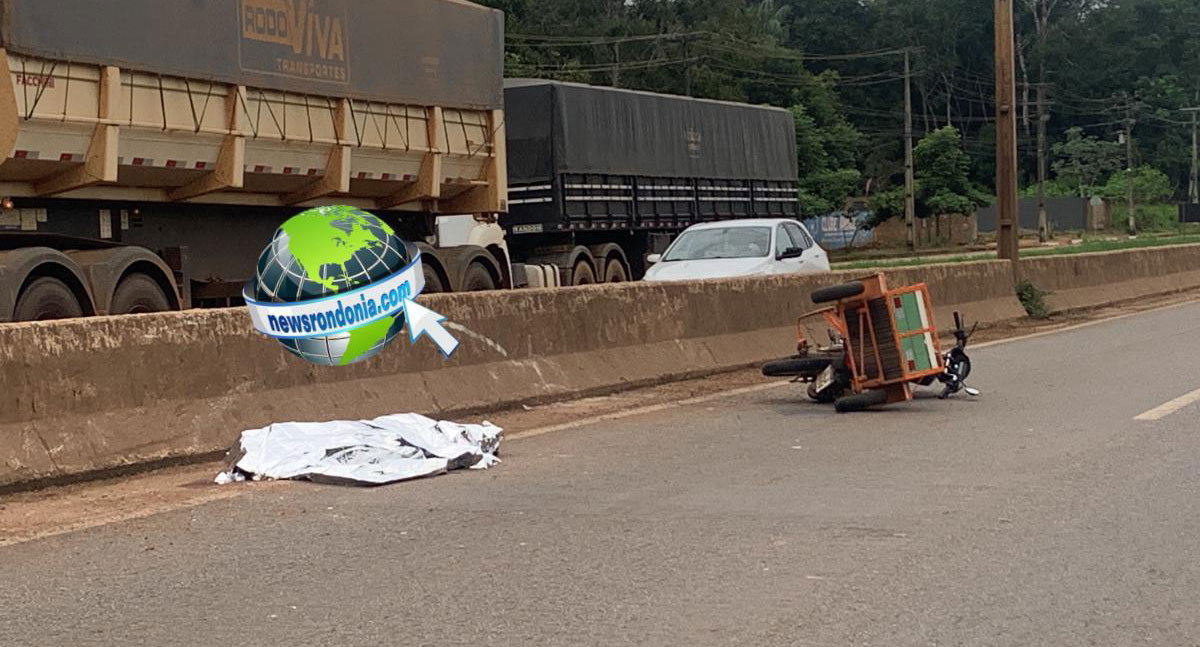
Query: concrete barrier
[1088,280]
[105,392]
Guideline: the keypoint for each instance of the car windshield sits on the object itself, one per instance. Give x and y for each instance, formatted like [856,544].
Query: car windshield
[725,242]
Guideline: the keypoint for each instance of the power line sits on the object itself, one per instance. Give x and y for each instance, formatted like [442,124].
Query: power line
[743,47]
[839,80]
[530,40]
[802,57]
[607,67]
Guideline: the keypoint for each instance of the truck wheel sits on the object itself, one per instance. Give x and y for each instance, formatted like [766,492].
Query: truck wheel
[47,298]
[477,279]
[138,293]
[860,401]
[808,366]
[615,272]
[582,274]
[433,282]
[837,292]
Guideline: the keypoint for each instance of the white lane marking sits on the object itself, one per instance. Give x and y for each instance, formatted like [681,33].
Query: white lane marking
[112,518]
[637,411]
[1167,408]
[1086,324]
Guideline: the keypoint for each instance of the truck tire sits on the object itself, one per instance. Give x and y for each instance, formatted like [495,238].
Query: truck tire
[805,366]
[46,298]
[582,274]
[837,292]
[615,272]
[138,293]
[477,279]
[860,401]
[433,281]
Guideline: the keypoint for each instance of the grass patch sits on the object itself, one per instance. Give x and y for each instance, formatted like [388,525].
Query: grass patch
[1033,299]
[1089,245]
[909,262]
[1101,245]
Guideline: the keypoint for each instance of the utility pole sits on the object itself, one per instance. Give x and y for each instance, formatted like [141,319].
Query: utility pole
[616,68]
[1131,222]
[1194,178]
[1042,117]
[910,201]
[687,70]
[1006,136]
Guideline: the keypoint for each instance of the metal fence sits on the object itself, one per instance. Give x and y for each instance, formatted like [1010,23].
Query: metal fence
[1062,214]
[1189,213]
[838,232]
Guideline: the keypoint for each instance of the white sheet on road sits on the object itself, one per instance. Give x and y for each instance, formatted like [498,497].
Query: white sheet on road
[368,452]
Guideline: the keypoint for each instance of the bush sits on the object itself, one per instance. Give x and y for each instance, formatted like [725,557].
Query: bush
[1150,185]
[1033,299]
[1156,217]
[1146,218]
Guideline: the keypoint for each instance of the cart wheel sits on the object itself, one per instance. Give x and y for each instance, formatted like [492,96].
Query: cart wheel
[831,394]
[795,366]
[837,292]
[860,401]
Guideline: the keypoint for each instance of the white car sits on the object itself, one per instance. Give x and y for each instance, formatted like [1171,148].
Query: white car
[752,247]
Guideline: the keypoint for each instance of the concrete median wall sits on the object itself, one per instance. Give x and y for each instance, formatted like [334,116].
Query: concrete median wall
[105,392]
[1089,280]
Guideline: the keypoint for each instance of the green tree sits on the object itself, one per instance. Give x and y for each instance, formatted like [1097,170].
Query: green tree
[942,180]
[942,173]
[1052,189]
[1082,52]
[826,147]
[1082,162]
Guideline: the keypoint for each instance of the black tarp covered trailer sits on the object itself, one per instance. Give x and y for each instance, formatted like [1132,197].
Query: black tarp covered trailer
[593,158]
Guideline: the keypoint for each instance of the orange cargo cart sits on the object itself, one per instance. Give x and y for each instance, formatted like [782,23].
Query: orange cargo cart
[884,342]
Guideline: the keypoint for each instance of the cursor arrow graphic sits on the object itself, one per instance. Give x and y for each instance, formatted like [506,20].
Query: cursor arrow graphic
[423,321]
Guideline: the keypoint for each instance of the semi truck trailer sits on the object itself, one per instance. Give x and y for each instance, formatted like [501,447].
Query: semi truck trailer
[149,149]
[601,177]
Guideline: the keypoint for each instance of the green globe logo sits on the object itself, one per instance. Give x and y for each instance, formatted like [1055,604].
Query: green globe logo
[325,252]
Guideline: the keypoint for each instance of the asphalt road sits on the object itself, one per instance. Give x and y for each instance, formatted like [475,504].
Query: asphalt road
[1041,513]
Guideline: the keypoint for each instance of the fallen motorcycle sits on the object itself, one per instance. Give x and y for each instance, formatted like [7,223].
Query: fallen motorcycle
[882,343]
